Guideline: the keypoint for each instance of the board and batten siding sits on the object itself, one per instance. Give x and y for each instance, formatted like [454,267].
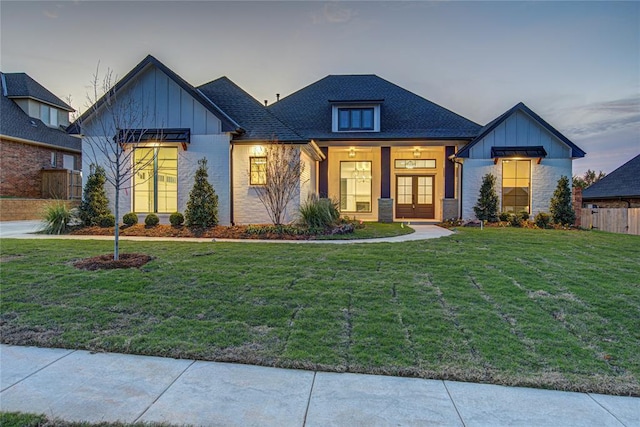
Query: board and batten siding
[517,130]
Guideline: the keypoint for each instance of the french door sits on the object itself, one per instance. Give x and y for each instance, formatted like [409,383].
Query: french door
[414,196]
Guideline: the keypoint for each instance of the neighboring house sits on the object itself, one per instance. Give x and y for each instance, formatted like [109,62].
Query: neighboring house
[33,139]
[384,153]
[619,189]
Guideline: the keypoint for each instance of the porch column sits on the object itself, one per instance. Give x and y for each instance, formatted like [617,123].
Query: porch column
[385,203]
[450,204]
[323,174]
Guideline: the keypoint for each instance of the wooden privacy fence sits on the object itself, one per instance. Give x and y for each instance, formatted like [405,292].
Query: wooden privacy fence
[61,184]
[614,220]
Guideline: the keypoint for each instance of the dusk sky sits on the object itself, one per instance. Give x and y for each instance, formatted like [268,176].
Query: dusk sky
[577,64]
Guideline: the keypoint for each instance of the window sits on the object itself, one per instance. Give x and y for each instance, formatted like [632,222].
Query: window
[355,186]
[48,115]
[68,162]
[516,181]
[156,180]
[355,119]
[416,164]
[258,170]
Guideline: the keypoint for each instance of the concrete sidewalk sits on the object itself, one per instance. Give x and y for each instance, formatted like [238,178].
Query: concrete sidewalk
[25,230]
[78,385]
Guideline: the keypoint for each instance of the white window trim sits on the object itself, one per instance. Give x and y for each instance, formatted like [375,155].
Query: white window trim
[334,117]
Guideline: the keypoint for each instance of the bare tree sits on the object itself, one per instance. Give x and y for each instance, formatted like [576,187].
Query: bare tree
[282,174]
[112,124]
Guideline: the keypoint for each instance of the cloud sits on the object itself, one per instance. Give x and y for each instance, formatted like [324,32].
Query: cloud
[49,14]
[333,13]
[604,116]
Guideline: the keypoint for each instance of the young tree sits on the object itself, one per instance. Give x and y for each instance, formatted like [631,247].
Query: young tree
[94,198]
[283,171]
[486,208]
[589,178]
[561,207]
[202,207]
[111,126]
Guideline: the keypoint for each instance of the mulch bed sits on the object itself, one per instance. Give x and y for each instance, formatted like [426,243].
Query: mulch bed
[106,262]
[219,232]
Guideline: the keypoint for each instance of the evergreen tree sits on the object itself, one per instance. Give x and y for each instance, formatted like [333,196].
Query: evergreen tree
[561,206]
[202,207]
[94,198]
[486,208]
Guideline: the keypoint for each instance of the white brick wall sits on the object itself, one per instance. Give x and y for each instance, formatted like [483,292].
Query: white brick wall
[544,179]
[215,148]
[248,209]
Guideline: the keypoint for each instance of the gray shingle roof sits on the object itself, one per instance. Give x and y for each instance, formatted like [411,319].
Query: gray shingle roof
[403,114]
[251,115]
[17,124]
[575,150]
[622,182]
[20,85]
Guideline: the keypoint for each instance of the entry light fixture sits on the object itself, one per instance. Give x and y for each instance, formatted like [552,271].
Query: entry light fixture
[258,150]
[352,152]
[416,153]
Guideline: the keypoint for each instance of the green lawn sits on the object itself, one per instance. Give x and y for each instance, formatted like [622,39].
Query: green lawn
[544,308]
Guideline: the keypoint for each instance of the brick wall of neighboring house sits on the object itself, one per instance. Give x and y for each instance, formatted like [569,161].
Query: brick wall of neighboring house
[21,164]
[576,200]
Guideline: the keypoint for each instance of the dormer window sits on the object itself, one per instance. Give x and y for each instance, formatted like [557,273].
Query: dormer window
[49,115]
[356,118]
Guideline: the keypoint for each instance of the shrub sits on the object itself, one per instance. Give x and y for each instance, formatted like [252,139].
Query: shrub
[542,219]
[561,207]
[57,217]
[202,207]
[94,198]
[152,220]
[515,220]
[345,228]
[504,216]
[486,209]
[105,221]
[130,219]
[320,213]
[524,215]
[176,219]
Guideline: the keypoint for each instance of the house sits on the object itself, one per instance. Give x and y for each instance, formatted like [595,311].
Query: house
[33,139]
[384,153]
[619,189]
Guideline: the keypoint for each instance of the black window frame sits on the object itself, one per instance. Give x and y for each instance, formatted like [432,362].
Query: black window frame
[348,127]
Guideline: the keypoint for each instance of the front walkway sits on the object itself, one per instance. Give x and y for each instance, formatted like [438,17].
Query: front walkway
[24,230]
[77,385]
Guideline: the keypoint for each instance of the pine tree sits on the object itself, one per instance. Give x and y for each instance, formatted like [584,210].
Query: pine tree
[202,207]
[561,207]
[486,208]
[94,198]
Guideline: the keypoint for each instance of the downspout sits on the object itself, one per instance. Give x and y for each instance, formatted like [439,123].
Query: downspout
[231,184]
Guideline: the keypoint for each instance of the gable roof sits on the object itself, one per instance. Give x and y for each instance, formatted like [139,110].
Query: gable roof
[622,182]
[403,114]
[251,115]
[15,123]
[21,85]
[575,150]
[228,124]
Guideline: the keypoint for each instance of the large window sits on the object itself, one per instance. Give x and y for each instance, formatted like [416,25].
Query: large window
[258,170]
[355,119]
[156,180]
[516,185]
[355,186]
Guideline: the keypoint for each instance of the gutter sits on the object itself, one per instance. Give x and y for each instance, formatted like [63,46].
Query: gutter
[39,144]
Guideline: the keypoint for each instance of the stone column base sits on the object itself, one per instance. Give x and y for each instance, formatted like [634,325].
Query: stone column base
[450,209]
[385,210]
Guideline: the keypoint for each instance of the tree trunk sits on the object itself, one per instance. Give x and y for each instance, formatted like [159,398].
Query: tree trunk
[116,240]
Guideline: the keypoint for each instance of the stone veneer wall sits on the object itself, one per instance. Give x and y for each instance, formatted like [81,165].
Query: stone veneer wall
[385,210]
[28,209]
